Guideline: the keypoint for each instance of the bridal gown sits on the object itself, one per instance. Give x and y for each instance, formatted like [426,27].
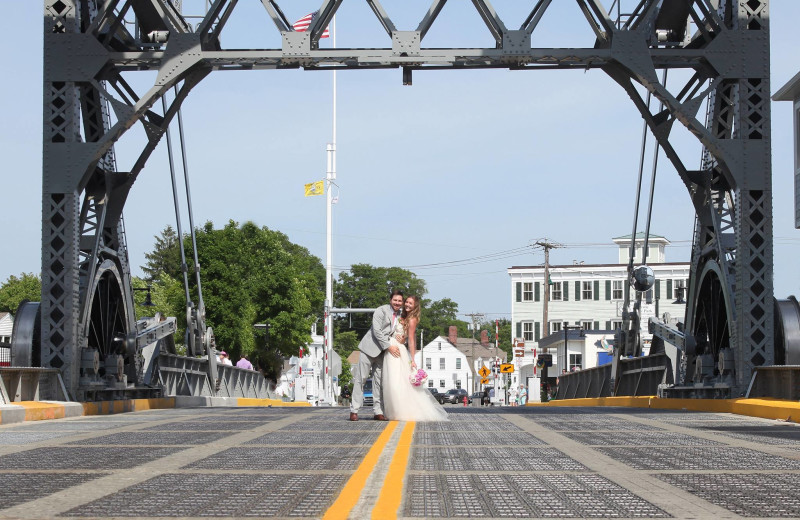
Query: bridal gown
[403,401]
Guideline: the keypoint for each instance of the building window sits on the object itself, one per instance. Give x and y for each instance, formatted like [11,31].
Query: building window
[586,325]
[555,326]
[555,292]
[616,324]
[575,362]
[430,383]
[458,383]
[458,363]
[527,330]
[586,292]
[441,363]
[428,363]
[616,289]
[441,383]
[527,292]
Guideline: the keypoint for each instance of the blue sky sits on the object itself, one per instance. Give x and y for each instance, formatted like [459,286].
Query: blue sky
[464,169]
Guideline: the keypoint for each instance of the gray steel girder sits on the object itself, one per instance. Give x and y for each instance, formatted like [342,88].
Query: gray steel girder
[87,48]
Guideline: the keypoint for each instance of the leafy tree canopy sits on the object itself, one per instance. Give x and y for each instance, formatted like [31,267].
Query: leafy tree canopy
[365,286]
[14,290]
[249,275]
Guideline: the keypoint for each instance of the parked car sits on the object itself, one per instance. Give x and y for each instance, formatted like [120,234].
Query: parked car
[368,392]
[456,396]
[434,392]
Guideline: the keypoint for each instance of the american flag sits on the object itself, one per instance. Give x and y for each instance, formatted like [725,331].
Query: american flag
[303,23]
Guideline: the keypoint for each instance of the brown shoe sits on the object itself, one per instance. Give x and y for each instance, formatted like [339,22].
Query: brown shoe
[353,416]
[380,417]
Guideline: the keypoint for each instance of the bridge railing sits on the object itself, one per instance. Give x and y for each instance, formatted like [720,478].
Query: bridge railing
[638,376]
[31,384]
[779,382]
[181,375]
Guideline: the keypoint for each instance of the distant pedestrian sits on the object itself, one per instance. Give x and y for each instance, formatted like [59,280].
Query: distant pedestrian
[244,363]
[485,397]
[223,359]
[512,396]
[491,395]
[523,395]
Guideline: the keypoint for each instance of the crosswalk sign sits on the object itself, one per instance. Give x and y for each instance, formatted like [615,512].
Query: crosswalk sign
[484,372]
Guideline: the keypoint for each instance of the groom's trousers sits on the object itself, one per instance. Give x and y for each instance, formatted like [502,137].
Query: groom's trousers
[366,366]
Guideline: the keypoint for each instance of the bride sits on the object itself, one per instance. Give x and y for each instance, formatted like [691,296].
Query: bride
[403,401]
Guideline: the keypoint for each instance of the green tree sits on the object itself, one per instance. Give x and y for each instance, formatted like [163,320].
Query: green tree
[438,316]
[504,336]
[256,275]
[14,290]
[165,256]
[365,286]
[249,275]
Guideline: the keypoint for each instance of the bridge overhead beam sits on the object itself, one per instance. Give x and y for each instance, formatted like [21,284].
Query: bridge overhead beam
[90,47]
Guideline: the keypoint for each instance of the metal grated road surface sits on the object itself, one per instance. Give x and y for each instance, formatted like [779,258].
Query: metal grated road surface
[483,463]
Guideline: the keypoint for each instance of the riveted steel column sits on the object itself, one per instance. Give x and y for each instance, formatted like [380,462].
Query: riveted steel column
[60,199]
[753,223]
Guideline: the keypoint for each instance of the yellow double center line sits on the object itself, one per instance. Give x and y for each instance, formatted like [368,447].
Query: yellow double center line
[392,490]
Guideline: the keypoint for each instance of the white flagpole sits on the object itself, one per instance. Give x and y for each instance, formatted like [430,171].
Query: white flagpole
[330,177]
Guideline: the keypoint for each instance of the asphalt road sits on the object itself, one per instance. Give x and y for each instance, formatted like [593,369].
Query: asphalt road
[483,463]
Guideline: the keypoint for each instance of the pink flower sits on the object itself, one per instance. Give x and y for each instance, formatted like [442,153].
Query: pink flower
[418,378]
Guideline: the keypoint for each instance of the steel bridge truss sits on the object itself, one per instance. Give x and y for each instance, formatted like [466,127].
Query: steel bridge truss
[89,106]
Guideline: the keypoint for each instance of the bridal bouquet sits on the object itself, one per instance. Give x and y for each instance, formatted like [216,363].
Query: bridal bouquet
[418,377]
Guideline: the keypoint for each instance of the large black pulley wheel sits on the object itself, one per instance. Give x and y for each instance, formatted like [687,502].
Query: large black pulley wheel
[712,313]
[107,322]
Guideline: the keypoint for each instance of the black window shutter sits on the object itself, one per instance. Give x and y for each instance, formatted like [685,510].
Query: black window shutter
[658,289]
[608,289]
[536,292]
[578,291]
[669,288]
[519,291]
[608,325]
[597,325]
[597,289]
[519,329]
[536,331]
[565,291]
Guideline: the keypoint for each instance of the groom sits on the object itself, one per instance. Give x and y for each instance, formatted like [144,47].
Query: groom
[372,346]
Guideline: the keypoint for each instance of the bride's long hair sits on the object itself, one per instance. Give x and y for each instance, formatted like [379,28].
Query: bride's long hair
[414,313]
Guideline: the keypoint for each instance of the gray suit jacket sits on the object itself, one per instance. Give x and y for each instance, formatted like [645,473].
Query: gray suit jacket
[377,339]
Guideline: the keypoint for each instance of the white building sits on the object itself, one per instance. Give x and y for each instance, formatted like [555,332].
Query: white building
[6,326]
[453,362]
[590,297]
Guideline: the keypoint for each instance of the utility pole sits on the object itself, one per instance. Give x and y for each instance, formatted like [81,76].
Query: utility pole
[547,246]
[476,317]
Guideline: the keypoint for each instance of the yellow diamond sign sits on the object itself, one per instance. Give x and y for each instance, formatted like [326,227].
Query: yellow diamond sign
[483,371]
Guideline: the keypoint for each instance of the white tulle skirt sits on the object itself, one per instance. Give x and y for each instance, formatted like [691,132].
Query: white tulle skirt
[401,400]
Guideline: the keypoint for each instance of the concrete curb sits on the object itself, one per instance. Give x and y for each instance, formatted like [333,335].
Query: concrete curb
[764,408]
[45,410]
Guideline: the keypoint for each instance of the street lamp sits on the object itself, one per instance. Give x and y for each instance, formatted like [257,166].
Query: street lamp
[147,301]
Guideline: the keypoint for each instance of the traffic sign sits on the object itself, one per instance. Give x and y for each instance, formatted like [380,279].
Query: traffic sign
[484,381]
[519,353]
[506,368]
[484,371]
